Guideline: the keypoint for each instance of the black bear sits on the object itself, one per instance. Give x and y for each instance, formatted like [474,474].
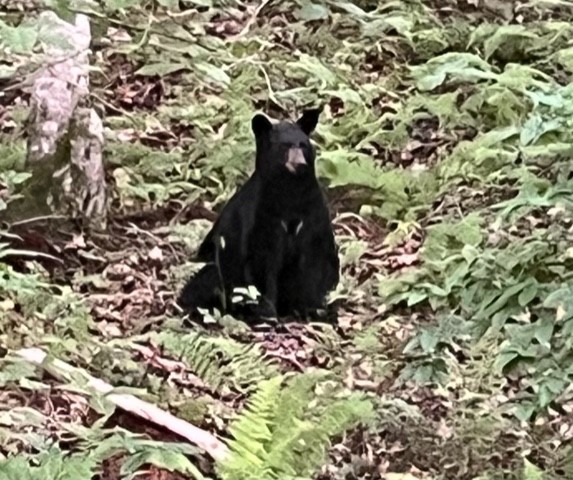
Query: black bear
[274,233]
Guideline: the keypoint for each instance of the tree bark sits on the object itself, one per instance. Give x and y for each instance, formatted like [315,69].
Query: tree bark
[65,135]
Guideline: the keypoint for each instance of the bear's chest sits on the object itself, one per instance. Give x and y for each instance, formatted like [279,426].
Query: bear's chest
[291,232]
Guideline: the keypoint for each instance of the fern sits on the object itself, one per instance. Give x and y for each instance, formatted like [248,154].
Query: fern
[252,430]
[284,431]
[218,361]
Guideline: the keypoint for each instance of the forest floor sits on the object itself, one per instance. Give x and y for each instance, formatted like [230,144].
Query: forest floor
[445,148]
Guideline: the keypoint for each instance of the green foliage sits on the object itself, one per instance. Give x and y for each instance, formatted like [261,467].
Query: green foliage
[11,158]
[50,464]
[56,463]
[444,237]
[285,429]
[148,175]
[512,288]
[220,362]
[20,43]
[20,39]
[450,124]
[54,314]
[169,456]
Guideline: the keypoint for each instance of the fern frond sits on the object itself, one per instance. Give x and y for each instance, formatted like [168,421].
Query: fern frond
[330,417]
[220,362]
[252,433]
[284,432]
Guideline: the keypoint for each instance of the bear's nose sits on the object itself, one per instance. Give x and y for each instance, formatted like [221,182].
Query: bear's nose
[295,159]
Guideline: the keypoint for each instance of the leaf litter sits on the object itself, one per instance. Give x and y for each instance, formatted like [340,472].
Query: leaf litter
[417,116]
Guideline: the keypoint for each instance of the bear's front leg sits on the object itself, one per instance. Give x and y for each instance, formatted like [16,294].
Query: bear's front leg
[270,263]
[265,262]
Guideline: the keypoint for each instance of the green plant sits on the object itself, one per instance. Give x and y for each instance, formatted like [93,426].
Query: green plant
[285,429]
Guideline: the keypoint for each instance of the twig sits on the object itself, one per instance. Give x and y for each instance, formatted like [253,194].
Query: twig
[29,253]
[62,370]
[249,23]
[36,219]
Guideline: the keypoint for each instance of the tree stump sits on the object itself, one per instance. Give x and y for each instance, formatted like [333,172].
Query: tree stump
[65,135]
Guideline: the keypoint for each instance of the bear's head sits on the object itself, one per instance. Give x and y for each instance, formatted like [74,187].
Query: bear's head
[285,146]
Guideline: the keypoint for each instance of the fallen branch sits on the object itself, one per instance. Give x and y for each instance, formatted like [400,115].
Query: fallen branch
[62,370]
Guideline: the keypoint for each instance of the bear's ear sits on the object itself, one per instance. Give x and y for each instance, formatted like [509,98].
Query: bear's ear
[260,124]
[307,122]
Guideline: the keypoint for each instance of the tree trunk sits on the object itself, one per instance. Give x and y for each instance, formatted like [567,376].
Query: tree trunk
[65,135]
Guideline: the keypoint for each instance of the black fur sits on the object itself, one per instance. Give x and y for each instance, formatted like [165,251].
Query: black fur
[274,233]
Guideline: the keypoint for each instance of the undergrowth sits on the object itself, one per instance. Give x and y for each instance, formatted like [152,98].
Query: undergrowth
[444,145]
